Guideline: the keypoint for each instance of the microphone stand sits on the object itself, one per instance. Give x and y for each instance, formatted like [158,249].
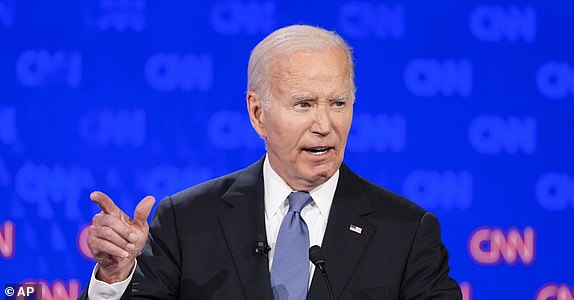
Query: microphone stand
[318,258]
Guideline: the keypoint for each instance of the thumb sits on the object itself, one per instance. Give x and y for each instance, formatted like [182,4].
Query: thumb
[143,210]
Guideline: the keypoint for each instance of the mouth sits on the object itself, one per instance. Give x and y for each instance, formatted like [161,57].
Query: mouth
[317,150]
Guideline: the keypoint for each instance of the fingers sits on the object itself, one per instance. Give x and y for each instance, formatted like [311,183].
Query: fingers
[113,233]
[115,225]
[143,210]
[115,240]
[104,240]
[110,236]
[105,203]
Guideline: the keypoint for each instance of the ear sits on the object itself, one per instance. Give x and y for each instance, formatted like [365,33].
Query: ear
[255,109]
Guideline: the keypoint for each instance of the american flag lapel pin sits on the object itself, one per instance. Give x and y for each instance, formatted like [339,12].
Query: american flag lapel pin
[355,229]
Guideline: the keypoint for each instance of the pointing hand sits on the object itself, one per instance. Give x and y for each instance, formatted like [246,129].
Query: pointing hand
[115,239]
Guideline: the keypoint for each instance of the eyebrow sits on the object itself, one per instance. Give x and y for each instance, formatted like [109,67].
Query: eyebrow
[343,97]
[309,98]
[303,98]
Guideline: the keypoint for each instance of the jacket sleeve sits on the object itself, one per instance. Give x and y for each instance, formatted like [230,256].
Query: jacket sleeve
[426,274]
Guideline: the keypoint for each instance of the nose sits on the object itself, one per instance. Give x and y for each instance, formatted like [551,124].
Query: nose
[322,121]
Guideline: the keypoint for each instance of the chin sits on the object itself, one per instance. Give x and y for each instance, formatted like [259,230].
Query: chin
[322,173]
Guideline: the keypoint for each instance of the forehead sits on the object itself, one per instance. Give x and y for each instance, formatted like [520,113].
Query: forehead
[308,67]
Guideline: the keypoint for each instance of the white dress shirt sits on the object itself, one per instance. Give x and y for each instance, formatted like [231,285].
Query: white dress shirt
[315,215]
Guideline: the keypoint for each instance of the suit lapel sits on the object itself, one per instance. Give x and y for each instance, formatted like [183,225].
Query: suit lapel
[342,246]
[242,223]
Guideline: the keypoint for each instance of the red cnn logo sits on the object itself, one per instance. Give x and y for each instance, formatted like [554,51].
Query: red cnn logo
[554,291]
[466,289]
[83,242]
[490,246]
[58,290]
[7,239]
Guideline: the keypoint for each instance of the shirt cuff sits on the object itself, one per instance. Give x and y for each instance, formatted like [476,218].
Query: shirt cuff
[100,290]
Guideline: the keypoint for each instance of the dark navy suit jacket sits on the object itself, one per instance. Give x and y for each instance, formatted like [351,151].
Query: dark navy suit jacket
[201,245]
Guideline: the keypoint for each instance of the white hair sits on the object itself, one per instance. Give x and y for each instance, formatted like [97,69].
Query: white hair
[288,40]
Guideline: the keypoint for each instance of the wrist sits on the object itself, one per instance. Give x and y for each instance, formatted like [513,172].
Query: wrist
[116,273]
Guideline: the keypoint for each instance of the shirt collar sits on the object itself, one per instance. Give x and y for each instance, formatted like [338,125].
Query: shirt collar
[277,190]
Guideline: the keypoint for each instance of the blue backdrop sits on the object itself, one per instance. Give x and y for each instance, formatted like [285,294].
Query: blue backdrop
[466,107]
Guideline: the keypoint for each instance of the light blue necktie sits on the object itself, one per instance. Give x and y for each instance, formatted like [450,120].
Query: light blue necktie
[290,269]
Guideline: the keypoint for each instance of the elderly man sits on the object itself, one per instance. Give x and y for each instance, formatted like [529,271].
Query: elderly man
[247,235]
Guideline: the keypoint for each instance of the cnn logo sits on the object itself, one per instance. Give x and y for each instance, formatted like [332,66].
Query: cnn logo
[492,246]
[554,291]
[58,289]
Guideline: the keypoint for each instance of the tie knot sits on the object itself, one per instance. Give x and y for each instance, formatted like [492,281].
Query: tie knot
[298,200]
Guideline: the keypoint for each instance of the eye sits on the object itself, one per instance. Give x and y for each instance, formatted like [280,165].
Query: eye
[303,104]
[339,103]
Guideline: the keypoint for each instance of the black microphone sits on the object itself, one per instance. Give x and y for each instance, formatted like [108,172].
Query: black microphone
[260,246]
[318,258]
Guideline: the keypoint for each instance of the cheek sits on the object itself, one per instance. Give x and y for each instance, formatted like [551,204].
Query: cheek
[281,135]
[290,130]
[344,126]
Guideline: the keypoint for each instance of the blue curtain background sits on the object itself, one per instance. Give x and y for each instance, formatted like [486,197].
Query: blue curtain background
[465,107]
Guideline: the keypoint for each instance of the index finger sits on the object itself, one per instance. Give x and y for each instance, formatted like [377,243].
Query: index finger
[105,203]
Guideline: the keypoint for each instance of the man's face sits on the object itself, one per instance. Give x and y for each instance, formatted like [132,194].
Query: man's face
[308,117]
